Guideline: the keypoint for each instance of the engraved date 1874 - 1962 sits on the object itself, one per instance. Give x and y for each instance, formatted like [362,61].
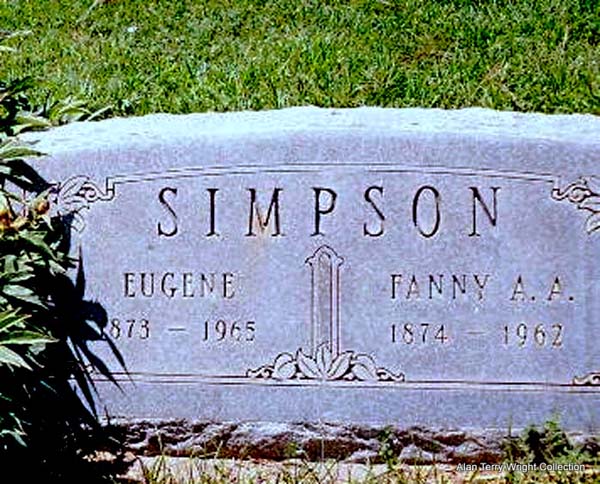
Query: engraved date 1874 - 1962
[519,335]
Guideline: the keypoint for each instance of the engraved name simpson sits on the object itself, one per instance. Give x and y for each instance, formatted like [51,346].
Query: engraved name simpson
[426,213]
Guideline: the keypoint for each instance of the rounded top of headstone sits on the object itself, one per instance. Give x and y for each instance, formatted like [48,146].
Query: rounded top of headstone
[168,128]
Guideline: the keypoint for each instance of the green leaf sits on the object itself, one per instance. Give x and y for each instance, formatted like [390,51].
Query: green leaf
[18,276]
[9,357]
[99,113]
[38,243]
[19,85]
[9,319]
[11,261]
[26,338]
[22,293]
[12,150]
[29,121]
[56,267]
[15,434]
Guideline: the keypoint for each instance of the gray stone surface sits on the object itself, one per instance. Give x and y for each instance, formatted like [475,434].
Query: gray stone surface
[373,266]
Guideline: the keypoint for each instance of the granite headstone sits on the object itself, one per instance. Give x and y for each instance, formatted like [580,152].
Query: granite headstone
[371,265]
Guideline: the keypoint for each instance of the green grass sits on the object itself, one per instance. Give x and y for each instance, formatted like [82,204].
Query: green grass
[142,56]
[163,470]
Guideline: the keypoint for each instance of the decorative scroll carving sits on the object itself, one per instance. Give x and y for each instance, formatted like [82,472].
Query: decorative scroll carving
[585,194]
[325,361]
[591,379]
[75,194]
[322,365]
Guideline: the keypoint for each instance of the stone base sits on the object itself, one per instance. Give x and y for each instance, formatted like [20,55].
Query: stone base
[320,441]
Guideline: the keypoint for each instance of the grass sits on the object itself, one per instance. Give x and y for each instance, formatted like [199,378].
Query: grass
[141,56]
[162,470]
[197,471]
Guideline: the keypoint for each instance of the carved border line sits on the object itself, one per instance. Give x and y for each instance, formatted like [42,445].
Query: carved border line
[448,385]
[590,379]
[78,192]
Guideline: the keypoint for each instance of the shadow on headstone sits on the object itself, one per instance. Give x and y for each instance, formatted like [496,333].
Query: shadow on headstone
[56,401]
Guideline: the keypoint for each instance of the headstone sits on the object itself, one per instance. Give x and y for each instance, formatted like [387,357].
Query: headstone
[411,266]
